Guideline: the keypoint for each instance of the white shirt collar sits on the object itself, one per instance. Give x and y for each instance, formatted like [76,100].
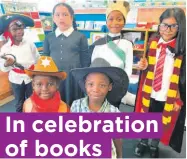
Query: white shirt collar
[114,35]
[161,40]
[66,32]
[9,42]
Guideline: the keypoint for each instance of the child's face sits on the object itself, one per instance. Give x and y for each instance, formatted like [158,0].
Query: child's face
[168,28]
[115,22]
[16,28]
[62,18]
[45,86]
[97,86]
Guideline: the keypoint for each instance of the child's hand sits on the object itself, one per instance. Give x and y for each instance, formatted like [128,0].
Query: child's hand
[142,64]
[176,107]
[9,61]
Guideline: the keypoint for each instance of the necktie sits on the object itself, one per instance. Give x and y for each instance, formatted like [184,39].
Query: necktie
[157,82]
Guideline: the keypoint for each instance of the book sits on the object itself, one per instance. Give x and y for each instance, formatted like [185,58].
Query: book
[80,24]
[98,25]
[89,25]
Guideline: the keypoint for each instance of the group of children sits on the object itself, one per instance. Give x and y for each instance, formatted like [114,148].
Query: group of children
[76,78]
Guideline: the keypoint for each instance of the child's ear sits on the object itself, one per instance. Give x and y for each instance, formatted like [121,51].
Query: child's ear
[110,87]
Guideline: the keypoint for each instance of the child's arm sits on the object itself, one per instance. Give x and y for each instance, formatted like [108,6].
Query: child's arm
[118,144]
[84,55]
[27,106]
[178,103]
[75,106]
[143,64]
[129,59]
[5,65]
[46,50]
[35,52]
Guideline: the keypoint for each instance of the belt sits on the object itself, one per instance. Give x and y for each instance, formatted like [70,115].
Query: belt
[17,70]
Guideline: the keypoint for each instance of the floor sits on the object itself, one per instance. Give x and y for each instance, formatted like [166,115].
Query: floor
[165,152]
[128,144]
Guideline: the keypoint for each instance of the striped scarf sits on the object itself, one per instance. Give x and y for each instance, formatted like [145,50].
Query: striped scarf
[172,92]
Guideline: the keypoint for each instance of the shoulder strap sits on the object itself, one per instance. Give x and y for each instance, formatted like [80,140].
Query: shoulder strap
[117,51]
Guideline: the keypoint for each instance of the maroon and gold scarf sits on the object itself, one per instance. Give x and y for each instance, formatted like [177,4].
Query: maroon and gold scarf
[169,116]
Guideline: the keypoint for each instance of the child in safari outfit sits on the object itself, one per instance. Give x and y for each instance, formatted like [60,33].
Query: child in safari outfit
[45,82]
[101,82]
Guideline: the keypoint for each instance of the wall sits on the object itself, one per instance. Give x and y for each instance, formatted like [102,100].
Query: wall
[151,14]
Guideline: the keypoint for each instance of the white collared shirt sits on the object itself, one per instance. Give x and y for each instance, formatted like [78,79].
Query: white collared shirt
[167,73]
[26,54]
[65,33]
[114,35]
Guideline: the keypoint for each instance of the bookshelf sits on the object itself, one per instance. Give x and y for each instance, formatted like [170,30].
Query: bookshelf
[143,36]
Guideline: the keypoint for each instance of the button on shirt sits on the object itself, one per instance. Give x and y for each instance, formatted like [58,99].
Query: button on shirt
[81,105]
[26,54]
[64,34]
[167,73]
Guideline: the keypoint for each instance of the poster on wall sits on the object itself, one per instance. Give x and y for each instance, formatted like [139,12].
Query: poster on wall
[47,21]
[19,7]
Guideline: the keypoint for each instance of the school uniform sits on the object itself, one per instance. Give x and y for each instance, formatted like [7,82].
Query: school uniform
[158,89]
[69,49]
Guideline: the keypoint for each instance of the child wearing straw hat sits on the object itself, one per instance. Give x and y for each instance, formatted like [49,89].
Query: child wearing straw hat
[101,82]
[46,79]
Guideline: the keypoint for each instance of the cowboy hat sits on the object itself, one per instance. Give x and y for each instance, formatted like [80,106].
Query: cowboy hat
[118,76]
[6,19]
[46,66]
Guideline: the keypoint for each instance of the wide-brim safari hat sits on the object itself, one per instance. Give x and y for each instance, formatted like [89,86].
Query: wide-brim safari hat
[46,66]
[6,19]
[118,6]
[120,80]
